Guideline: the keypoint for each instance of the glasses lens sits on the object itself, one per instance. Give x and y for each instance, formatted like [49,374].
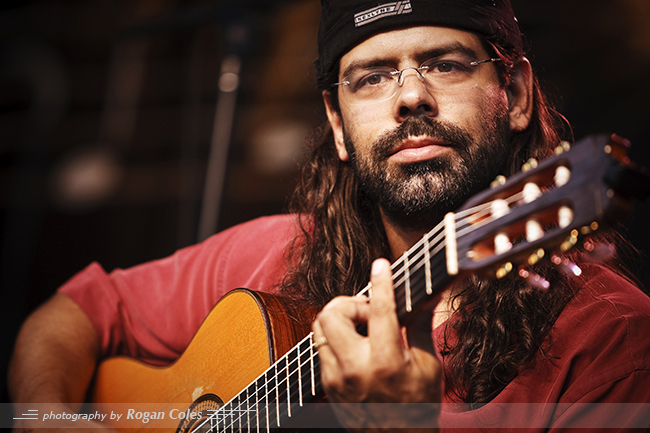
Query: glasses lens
[371,85]
[449,73]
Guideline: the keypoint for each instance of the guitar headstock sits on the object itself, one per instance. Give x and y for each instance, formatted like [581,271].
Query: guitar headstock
[548,207]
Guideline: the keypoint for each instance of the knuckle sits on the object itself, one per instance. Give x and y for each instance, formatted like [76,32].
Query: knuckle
[351,377]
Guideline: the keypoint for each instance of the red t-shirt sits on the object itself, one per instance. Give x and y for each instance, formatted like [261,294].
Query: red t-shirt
[151,311]
[600,352]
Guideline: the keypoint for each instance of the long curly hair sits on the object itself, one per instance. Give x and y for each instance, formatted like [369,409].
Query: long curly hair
[497,326]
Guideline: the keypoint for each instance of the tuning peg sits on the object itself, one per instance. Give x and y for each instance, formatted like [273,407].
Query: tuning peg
[562,176]
[530,164]
[498,181]
[504,270]
[564,146]
[570,241]
[534,280]
[567,266]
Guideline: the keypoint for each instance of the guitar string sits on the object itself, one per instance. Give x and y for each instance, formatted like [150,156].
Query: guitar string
[269,390]
[438,241]
[474,213]
[285,380]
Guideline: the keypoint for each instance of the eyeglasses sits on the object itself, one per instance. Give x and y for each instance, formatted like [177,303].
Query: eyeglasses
[442,74]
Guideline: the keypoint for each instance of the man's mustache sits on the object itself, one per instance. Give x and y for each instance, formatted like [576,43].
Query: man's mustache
[386,144]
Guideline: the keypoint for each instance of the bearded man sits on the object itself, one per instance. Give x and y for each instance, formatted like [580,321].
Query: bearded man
[427,101]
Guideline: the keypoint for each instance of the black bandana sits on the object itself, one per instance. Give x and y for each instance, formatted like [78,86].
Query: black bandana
[345,24]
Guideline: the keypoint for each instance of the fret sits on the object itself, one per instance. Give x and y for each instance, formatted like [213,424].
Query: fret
[407,282]
[237,425]
[248,409]
[266,394]
[263,386]
[311,364]
[277,394]
[299,362]
[232,414]
[220,421]
[240,414]
[451,248]
[213,420]
[427,266]
[288,376]
[295,381]
[305,374]
[228,418]
[257,410]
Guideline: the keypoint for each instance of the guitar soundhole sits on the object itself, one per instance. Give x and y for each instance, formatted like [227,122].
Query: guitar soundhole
[198,414]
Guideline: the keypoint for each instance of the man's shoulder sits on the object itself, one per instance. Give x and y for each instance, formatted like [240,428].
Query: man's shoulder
[607,290]
[608,321]
[262,230]
[253,250]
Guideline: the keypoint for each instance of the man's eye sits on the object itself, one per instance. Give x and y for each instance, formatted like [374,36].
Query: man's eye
[446,67]
[373,79]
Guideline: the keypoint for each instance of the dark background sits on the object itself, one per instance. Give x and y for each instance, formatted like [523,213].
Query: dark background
[106,116]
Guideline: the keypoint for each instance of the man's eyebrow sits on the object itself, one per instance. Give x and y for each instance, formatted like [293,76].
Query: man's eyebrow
[453,48]
[367,63]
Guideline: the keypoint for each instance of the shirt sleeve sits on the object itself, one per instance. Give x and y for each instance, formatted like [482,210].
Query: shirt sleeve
[151,311]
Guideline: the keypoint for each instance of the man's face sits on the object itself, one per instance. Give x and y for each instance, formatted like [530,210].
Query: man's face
[422,153]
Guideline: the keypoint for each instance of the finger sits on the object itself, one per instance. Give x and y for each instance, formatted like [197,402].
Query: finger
[383,325]
[337,323]
[325,355]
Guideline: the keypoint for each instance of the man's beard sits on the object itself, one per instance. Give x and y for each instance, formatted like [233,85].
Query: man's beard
[417,195]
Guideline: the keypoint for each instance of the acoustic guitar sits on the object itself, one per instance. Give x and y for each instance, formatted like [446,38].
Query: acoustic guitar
[252,365]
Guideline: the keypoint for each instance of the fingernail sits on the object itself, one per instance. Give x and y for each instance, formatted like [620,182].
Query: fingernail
[378,266]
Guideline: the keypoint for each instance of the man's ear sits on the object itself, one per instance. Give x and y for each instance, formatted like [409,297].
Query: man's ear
[337,126]
[520,95]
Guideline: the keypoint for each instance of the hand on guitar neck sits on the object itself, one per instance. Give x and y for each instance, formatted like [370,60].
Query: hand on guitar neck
[358,371]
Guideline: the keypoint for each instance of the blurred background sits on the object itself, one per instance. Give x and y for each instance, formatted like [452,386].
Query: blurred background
[108,108]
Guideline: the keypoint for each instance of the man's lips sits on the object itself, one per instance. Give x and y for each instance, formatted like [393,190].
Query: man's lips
[416,149]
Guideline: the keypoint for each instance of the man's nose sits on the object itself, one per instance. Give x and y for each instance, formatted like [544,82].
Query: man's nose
[413,96]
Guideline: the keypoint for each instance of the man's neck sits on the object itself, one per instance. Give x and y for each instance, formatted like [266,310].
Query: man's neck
[400,239]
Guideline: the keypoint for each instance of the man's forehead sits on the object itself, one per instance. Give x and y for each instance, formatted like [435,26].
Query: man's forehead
[413,43]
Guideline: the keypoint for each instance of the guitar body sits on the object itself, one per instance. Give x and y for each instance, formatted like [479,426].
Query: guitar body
[244,334]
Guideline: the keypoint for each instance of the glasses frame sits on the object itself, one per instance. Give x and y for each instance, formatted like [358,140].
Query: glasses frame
[400,79]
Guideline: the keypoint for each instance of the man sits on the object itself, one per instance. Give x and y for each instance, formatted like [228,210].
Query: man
[427,101]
